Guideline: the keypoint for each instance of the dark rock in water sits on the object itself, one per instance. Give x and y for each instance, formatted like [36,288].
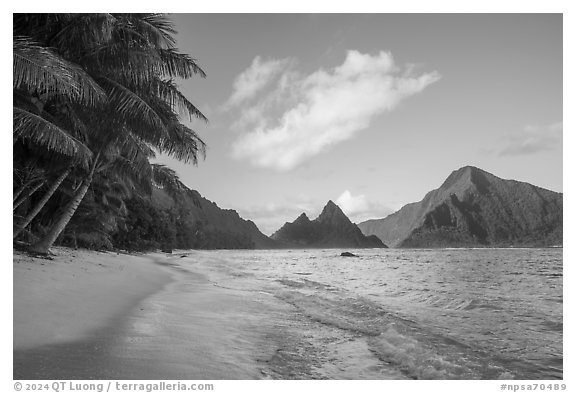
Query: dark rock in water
[474,208]
[348,254]
[332,229]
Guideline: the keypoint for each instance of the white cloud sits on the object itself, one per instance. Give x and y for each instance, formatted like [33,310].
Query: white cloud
[301,116]
[533,139]
[358,208]
[352,204]
[254,79]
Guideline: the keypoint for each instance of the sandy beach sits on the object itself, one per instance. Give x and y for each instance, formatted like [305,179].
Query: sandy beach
[78,292]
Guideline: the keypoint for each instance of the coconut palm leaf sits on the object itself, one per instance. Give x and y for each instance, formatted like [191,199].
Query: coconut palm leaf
[158,61]
[180,141]
[33,128]
[128,155]
[139,65]
[41,71]
[42,27]
[168,180]
[138,171]
[156,28]
[168,91]
[175,64]
[81,31]
[130,105]
[74,118]
[133,147]
[123,62]
[184,144]
[166,177]
[110,187]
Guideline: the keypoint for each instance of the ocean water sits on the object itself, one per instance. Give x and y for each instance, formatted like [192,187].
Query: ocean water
[416,314]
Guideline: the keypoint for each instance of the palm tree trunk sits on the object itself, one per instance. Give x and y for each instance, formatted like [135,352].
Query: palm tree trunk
[28,195]
[43,246]
[42,202]
[29,177]
[19,191]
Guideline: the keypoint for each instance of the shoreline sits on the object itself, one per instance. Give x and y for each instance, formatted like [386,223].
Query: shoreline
[78,293]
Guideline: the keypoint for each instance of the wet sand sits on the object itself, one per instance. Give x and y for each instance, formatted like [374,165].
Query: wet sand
[78,293]
[183,317]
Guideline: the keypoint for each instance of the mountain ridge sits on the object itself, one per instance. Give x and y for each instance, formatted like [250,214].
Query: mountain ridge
[473,207]
[225,226]
[331,229]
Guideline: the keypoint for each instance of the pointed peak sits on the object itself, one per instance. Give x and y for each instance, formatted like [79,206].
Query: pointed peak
[467,176]
[331,207]
[458,173]
[471,170]
[456,176]
[332,212]
[302,217]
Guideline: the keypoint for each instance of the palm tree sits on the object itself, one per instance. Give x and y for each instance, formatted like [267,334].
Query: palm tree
[42,202]
[29,179]
[132,59]
[41,76]
[44,83]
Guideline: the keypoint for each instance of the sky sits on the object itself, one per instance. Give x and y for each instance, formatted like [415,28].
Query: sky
[371,111]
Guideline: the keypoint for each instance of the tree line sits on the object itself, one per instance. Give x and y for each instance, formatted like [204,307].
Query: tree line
[94,101]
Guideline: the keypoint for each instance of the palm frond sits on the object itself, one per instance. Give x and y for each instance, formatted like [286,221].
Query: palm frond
[168,180]
[130,105]
[183,144]
[42,71]
[41,26]
[139,171]
[156,28]
[123,61]
[83,31]
[33,128]
[75,119]
[111,187]
[133,147]
[168,91]
[137,152]
[180,141]
[180,65]
[140,63]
